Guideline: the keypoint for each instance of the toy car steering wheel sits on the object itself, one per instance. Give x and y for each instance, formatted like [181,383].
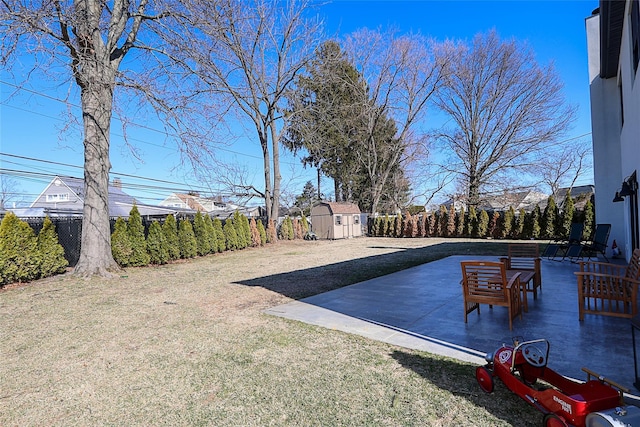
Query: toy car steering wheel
[534,356]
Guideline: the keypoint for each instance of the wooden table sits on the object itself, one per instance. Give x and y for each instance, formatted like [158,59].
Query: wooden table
[525,277]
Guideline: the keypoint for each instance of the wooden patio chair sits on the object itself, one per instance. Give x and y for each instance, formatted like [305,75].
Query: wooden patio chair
[485,282]
[524,258]
[609,289]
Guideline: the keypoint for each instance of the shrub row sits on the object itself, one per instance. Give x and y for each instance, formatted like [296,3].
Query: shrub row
[25,256]
[184,239]
[537,224]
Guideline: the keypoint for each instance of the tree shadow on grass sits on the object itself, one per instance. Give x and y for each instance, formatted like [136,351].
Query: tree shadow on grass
[459,379]
[303,283]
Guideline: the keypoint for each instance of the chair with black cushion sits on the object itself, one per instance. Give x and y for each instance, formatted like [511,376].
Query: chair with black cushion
[597,245]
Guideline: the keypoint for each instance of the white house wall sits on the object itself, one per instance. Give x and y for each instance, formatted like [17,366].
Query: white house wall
[608,169]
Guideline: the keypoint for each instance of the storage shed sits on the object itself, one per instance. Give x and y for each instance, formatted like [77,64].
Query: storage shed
[336,220]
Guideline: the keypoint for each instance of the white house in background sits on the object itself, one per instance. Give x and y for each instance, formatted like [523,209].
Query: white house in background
[64,196]
[213,206]
[613,41]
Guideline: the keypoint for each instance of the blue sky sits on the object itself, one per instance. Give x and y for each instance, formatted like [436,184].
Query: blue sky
[31,124]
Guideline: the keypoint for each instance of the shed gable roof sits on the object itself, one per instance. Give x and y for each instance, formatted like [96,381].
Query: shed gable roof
[343,208]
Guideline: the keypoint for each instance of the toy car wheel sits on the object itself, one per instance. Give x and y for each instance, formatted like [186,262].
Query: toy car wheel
[552,420]
[485,379]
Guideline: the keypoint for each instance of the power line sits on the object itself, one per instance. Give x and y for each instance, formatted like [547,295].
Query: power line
[138,125]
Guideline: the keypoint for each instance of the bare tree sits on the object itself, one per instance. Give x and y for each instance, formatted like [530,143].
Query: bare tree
[88,40]
[563,165]
[247,54]
[506,110]
[9,191]
[402,73]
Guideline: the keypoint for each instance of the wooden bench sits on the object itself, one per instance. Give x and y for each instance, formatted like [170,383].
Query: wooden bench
[609,289]
[485,282]
[524,258]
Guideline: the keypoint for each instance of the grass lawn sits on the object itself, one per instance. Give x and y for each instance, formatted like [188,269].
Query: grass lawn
[188,344]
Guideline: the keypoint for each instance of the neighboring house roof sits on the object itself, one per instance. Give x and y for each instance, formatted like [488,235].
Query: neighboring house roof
[526,200]
[120,203]
[197,203]
[580,195]
[337,208]
[76,187]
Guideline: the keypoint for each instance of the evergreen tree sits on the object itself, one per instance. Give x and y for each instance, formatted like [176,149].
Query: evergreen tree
[121,243]
[483,224]
[263,233]
[200,231]
[397,231]
[431,226]
[135,229]
[230,235]
[472,222]
[297,229]
[255,234]
[421,229]
[286,229]
[451,221]
[407,224]
[520,222]
[414,226]
[272,234]
[460,222]
[50,252]
[220,238]
[187,239]
[443,220]
[548,220]
[157,244]
[18,250]
[568,210]
[494,225]
[170,231]
[377,226]
[386,226]
[507,223]
[589,220]
[533,225]
[212,243]
[240,235]
[305,225]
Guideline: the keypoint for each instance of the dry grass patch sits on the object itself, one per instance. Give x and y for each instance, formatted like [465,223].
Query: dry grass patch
[188,344]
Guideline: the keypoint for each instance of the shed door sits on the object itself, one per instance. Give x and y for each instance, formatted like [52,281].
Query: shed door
[346,226]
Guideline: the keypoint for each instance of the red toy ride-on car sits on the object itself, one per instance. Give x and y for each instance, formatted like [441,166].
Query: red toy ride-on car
[522,367]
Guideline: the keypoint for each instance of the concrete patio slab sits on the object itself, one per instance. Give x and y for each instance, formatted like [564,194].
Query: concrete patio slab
[422,308]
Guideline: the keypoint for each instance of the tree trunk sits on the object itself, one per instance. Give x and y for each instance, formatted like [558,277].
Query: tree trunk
[266,161]
[97,98]
[275,203]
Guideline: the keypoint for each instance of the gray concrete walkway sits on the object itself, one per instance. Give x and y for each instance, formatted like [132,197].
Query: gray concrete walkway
[422,308]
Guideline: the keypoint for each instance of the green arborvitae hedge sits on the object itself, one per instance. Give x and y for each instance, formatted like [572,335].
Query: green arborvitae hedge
[121,243]
[240,236]
[220,239]
[157,244]
[263,233]
[212,243]
[230,235]
[200,231]
[187,240]
[135,229]
[50,252]
[18,251]
[170,231]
